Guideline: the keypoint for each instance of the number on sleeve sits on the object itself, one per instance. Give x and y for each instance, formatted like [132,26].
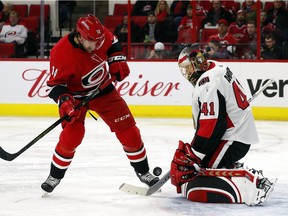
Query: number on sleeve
[241,98]
[208,109]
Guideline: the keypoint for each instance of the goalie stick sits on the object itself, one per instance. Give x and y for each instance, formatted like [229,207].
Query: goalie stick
[144,191]
[11,156]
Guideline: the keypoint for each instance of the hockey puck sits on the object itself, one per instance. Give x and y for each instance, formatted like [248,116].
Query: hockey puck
[157,171]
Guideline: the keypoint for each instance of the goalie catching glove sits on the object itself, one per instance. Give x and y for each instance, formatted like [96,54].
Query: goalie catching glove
[118,66]
[66,105]
[184,166]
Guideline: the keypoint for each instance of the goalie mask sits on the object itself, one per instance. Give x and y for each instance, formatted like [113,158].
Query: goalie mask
[91,29]
[192,63]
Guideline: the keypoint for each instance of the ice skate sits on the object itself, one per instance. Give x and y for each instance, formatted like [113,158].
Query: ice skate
[148,178]
[50,183]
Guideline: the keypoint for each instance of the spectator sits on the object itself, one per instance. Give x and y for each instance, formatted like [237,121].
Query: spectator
[200,10]
[141,8]
[278,16]
[248,43]
[121,31]
[158,52]
[214,51]
[162,10]
[186,21]
[153,31]
[232,7]
[238,28]
[163,16]
[250,9]
[178,10]
[270,49]
[14,32]
[4,16]
[226,39]
[266,26]
[216,13]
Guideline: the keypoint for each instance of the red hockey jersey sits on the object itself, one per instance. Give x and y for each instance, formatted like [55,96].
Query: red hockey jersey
[77,70]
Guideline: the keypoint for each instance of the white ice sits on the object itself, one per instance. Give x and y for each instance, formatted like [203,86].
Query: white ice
[100,166]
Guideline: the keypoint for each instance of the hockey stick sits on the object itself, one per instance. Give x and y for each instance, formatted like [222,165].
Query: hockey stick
[203,172]
[9,157]
[145,191]
[270,81]
[142,191]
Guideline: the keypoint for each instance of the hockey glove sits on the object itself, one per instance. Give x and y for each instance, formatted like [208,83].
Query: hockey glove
[183,167]
[66,106]
[118,66]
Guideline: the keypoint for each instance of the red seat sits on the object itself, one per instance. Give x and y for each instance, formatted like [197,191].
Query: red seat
[268,5]
[187,36]
[111,22]
[231,6]
[22,9]
[141,50]
[121,9]
[7,50]
[140,20]
[32,23]
[206,33]
[35,10]
[199,21]
[206,5]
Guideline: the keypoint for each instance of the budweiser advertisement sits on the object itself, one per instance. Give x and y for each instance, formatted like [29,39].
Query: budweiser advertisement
[150,83]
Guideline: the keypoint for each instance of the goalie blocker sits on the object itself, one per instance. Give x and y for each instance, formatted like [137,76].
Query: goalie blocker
[240,185]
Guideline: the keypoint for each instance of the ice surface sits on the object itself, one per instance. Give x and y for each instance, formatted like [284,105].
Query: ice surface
[100,166]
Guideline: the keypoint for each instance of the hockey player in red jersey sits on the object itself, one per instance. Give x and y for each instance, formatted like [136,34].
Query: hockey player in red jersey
[77,68]
[225,129]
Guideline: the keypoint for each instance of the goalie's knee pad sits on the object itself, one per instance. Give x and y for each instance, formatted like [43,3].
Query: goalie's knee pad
[251,188]
[211,190]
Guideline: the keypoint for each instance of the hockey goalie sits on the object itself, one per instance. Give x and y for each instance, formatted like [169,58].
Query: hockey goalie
[207,169]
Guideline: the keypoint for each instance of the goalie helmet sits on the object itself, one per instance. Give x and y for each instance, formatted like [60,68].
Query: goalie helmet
[91,29]
[192,63]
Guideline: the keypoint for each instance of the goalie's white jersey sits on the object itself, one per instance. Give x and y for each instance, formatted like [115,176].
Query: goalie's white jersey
[219,97]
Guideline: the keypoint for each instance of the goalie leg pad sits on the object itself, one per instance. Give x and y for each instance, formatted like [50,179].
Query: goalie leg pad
[211,190]
[251,188]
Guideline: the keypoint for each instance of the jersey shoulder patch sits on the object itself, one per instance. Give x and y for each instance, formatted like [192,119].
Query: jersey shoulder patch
[204,80]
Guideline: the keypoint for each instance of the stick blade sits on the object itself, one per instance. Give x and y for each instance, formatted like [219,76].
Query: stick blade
[143,191]
[7,156]
[132,189]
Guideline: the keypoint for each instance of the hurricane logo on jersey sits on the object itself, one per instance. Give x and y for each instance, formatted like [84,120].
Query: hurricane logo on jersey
[10,34]
[96,76]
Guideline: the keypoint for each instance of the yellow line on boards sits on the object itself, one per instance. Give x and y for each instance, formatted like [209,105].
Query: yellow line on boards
[260,113]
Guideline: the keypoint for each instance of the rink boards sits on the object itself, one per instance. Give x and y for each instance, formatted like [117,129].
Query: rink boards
[153,89]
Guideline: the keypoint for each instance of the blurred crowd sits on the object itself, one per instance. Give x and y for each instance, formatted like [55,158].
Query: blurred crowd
[225,29]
